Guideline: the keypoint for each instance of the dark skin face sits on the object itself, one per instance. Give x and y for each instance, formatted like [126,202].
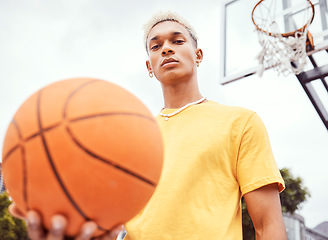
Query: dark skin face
[172,53]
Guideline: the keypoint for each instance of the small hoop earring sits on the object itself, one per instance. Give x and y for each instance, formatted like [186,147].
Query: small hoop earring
[151,74]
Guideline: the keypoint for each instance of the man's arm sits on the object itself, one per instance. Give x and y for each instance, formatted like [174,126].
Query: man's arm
[264,207]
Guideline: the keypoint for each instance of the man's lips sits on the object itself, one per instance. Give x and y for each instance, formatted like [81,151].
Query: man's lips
[169,60]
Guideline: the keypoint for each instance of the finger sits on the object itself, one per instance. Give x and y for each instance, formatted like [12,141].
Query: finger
[112,235]
[87,230]
[35,231]
[58,227]
[13,210]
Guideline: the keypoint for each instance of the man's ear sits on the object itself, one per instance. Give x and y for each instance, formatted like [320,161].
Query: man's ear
[199,55]
[148,65]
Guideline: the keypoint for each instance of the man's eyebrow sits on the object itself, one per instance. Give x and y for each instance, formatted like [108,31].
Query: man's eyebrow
[154,38]
[173,33]
[177,33]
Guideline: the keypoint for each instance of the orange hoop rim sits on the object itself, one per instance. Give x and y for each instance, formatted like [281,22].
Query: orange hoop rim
[283,34]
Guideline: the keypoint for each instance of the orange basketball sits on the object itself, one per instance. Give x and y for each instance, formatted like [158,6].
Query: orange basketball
[84,148]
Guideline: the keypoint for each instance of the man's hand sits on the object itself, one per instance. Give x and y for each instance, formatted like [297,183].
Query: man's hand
[59,224]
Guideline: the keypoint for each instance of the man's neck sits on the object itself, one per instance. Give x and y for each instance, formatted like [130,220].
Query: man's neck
[176,96]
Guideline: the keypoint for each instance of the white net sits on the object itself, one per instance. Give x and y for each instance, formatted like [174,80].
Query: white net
[284,54]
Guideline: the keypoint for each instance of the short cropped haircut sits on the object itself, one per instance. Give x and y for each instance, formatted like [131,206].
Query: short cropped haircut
[167,16]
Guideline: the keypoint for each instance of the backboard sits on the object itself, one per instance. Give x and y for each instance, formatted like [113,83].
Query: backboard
[240,45]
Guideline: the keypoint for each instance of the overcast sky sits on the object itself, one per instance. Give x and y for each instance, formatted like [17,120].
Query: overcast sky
[45,41]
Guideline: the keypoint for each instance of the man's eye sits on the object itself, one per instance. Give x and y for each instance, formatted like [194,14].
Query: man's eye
[179,41]
[155,47]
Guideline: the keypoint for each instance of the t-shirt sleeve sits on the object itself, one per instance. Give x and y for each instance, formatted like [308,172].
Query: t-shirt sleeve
[256,166]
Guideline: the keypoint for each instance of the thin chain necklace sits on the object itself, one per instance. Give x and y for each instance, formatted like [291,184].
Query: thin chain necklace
[167,116]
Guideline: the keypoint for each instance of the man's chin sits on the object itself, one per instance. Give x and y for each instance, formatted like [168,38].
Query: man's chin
[173,77]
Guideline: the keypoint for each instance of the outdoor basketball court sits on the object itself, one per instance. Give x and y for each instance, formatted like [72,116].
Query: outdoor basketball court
[294,37]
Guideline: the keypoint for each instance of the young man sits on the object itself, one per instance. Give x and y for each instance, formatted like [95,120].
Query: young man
[214,155]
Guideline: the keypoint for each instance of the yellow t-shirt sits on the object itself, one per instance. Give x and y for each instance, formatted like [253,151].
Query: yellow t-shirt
[214,154]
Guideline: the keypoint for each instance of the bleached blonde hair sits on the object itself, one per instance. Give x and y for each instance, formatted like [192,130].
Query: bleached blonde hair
[167,16]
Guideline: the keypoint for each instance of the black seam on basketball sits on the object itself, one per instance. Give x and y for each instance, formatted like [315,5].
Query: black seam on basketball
[23,165]
[9,153]
[65,107]
[32,136]
[97,115]
[110,114]
[108,161]
[29,138]
[52,163]
[44,130]
[73,93]
[25,178]
[82,118]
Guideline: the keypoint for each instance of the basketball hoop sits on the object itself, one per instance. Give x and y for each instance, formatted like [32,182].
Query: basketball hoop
[285,52]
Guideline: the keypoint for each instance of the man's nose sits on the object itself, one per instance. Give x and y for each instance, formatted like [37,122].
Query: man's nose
[167,49]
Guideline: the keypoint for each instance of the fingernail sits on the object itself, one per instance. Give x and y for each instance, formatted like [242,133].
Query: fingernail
[87,233]
[57,226]
[31,223]
[57,229]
